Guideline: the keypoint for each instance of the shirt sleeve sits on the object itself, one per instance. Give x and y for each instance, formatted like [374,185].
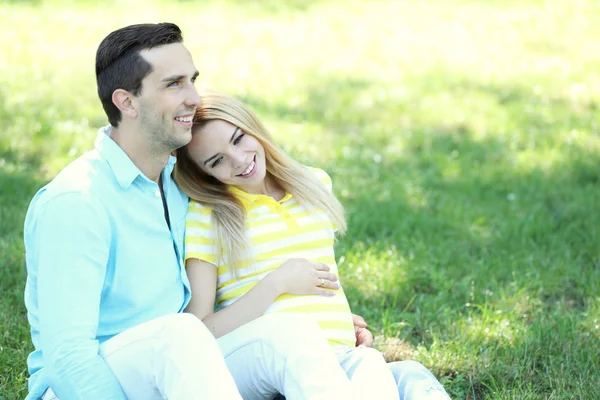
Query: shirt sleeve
[325,179]
[71,242]
[200,239]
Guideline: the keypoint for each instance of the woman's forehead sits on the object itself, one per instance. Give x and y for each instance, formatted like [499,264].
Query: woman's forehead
[213,135]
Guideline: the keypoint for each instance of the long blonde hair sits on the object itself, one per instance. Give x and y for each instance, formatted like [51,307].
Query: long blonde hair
[229,215]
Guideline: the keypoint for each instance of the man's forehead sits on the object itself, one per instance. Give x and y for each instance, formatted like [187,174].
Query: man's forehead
[168,60]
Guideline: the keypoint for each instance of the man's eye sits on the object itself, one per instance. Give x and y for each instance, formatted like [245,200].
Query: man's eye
[217,162]
[239,139]
[173,84]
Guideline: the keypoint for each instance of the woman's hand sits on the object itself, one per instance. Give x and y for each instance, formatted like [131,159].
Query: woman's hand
[300,276]
[364,337]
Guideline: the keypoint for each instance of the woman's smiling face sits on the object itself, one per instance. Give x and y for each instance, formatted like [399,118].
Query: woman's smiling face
[224,151]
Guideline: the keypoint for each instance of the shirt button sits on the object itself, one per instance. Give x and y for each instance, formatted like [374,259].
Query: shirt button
[157,193]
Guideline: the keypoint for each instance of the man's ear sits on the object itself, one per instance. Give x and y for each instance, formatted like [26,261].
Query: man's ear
[124,102]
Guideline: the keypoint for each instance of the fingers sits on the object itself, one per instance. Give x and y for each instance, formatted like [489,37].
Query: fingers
[324,292]
[364,338]
[328,276]
[328,283]
[320,266]
[359,321]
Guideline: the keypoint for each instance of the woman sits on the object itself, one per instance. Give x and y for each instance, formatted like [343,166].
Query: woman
[259,237]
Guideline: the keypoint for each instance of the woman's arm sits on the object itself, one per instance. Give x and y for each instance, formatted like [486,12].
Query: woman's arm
[296,276]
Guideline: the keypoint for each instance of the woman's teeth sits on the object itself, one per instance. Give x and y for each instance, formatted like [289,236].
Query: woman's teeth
[249,169]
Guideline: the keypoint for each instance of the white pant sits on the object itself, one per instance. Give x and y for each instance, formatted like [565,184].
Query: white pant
[370,375]
[173,357]
[176,357]
[288,353]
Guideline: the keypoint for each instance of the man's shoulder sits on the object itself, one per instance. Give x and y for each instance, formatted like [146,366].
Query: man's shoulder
[76,190]
[85,176]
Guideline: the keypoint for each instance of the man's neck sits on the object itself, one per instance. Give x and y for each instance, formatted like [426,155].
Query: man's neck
[150,161]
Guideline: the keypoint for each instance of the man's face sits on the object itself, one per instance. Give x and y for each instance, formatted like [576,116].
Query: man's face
[168,99]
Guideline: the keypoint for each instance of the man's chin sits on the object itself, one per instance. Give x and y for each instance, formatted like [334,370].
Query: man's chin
[183,139]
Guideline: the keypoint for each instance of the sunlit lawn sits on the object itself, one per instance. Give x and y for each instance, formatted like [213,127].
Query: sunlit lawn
[463,137]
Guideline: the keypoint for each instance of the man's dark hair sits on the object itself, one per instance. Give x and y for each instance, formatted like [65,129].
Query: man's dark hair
[119,64]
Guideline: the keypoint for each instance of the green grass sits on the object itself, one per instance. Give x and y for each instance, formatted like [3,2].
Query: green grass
[463,137]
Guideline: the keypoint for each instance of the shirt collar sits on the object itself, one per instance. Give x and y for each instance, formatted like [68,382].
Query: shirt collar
[124,169]
[248,199]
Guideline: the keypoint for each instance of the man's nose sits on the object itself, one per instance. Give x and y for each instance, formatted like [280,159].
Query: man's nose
[193,99]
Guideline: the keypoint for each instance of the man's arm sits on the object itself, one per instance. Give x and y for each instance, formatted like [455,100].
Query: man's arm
[71,244]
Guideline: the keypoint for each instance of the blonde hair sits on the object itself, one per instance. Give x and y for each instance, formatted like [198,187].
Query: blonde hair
[229,215]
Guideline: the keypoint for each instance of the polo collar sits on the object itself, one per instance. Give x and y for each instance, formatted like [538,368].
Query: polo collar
[248,199]
[123,168]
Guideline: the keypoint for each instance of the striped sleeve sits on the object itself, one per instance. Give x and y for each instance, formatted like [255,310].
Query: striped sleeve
[323,177]
[200,239]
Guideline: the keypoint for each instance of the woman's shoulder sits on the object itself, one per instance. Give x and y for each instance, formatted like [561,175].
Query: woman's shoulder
[321,175]
[198,210]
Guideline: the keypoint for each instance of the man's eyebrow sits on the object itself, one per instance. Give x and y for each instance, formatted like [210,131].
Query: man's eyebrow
[232,136]
[174,78]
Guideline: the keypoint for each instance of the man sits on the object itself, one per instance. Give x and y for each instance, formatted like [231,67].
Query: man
[106,285]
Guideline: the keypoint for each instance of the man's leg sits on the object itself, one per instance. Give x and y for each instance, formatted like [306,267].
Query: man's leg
[368,372]
[173,357]
[416,382]
[284,353]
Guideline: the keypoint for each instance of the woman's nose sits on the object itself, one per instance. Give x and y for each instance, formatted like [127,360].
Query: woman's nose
[238,160]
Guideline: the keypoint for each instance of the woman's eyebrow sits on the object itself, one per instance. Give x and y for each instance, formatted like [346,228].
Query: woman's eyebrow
[230,140]
[234,132]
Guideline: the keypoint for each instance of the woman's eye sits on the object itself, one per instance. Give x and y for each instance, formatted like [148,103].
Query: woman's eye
[217,162]
[239,139]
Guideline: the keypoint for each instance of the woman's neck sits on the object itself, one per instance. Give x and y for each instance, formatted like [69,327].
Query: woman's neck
[268,187]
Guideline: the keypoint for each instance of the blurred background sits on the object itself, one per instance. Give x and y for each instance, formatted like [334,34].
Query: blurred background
[462,136]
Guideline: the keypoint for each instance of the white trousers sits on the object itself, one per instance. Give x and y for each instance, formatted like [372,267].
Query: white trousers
[176,357]
[370,376]
[173,357]
[287,353]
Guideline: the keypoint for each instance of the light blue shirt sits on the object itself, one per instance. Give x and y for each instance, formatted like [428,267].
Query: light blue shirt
[100,259]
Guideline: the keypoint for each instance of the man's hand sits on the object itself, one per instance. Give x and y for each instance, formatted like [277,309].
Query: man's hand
[364,337]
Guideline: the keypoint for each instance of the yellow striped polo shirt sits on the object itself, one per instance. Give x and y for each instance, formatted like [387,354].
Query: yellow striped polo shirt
[277,231]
